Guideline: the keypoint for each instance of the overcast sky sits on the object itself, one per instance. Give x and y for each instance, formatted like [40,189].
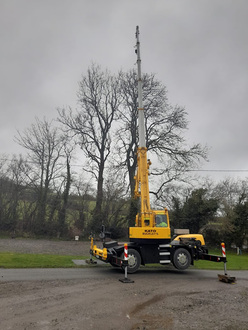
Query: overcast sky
[197,48]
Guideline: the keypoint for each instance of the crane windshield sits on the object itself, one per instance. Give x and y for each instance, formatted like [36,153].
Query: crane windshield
[161,220]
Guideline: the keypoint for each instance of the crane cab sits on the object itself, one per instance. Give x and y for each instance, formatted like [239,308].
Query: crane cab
[153,226]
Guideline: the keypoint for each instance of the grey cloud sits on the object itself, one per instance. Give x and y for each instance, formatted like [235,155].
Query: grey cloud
[197,48]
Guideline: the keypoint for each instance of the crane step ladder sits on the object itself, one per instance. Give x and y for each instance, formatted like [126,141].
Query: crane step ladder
[164,254]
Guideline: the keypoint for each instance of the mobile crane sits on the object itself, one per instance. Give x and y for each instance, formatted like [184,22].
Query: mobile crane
[150,241]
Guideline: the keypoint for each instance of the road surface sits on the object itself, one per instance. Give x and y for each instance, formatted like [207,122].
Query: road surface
[103,271]
[94,298]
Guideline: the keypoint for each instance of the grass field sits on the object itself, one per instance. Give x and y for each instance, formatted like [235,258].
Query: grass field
[19,260]
[234,262]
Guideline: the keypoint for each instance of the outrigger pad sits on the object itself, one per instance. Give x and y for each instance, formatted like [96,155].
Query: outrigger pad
[90,262]
[110,244]
[226,278]
[126,280]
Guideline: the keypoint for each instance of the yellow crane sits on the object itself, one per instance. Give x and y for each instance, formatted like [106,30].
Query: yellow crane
[150,240]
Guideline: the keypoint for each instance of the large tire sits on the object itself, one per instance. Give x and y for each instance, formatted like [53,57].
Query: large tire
[134,261]
[182,259]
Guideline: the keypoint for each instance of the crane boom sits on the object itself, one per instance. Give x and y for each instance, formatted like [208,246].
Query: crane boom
[144,218]
[142,141]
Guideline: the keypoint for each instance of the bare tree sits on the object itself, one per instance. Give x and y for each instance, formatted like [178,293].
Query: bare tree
[4,187]
[82,195]
[13,183]
[45,147]
[99,100]
[165,127]
[66,184]
[109,104]
[115,202]
[17,174]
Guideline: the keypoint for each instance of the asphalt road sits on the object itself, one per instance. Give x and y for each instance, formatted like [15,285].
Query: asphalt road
[101,272]
[94,298]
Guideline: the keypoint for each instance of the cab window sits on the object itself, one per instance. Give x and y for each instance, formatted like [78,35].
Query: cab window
[161,220]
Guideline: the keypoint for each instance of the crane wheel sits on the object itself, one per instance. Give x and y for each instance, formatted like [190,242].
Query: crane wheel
[134,261]
[182,259]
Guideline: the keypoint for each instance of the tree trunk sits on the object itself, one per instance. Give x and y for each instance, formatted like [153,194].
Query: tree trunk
[98,220]
[62,215]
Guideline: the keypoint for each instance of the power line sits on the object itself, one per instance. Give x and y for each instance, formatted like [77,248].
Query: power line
[34,162]
[190,170]
[237,171]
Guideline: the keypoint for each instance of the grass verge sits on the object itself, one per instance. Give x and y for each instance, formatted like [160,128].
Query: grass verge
[19,260]
[234,262]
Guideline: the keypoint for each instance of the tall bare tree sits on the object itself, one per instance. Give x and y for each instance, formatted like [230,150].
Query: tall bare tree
[104,98]
[44,145]
[99,100]
[165,127]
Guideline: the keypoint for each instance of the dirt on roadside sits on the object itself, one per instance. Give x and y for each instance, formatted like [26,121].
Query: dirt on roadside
[158,299]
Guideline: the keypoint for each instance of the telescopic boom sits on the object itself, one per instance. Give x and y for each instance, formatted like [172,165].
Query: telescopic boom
[142,141]
[144,217]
